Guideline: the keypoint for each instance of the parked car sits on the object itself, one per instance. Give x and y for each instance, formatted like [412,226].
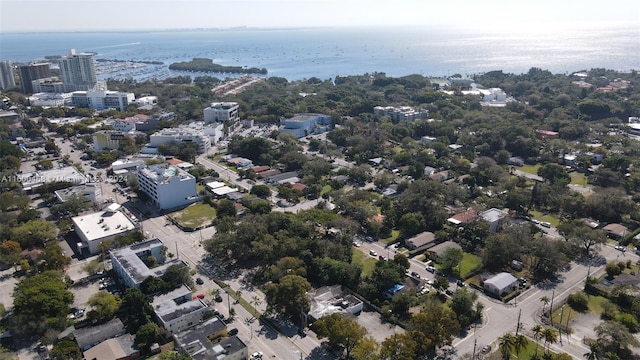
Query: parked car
[373,253]
[431,269]
[620,248]
[232,332]
[199,281]
[415,274]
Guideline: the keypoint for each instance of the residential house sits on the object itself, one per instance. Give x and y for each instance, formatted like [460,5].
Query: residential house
[421,240]
[616,231]
[500,284]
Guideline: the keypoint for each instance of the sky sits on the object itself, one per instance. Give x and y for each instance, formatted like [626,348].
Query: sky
[511,15]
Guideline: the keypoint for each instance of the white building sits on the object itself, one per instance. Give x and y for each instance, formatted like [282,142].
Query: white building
[48,85]
[168,186]
[305,124]
[494,217]
[78,72]
[94,229]
[129,262]
[46,99]
[193,133]
[7,78]
[91,193]
[403,113]
[500,284]
[178,310]
[146,101]
[102,99]
[222,112]
[120,167]
[35,179]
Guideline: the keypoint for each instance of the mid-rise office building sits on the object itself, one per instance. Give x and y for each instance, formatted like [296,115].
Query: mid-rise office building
[31,72]
[193,133]
[168,186]
[222,112]
[102,99]
[48,85]
[97,228]
[6,75]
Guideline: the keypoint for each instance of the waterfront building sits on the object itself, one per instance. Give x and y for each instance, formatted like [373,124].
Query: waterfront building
[167,186]
[7,79]
[31,72]
[222,112]
[78,72]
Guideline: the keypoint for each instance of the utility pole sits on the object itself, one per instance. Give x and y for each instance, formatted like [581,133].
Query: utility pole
[475,341]
[518,323]
[553,294]
[561,313]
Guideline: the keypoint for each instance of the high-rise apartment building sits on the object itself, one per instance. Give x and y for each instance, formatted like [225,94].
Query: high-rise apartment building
[78,71]
[31,72]
[6,75]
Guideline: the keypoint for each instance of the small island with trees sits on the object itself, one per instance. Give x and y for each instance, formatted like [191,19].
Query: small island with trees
[201,64]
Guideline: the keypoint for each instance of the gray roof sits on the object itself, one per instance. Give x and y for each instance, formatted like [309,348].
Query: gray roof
[502,280]
[196,343]
[440,248]
[93,335]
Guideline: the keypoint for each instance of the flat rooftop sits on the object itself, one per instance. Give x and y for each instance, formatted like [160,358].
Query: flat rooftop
[37,178]
[176,303]
[135,267]
[102,224]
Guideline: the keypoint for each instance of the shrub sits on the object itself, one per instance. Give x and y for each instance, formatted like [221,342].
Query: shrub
[612,270]
[578,302]
[629,321]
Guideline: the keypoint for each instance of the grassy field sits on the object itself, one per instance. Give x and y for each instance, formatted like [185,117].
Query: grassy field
[468,264]
[578,179]
[545,217]
[525,354]
[531,169]
[194,215]
[325,189]
[367,262]
[392,238]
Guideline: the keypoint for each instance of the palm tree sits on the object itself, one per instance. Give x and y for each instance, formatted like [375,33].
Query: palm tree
[520,342]
[545,301]
[537,335]
[595,352]
[550,336]
[506,342]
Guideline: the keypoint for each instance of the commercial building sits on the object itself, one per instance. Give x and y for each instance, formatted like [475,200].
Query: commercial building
[126,167]
[91,193]
[305,124]
[110,140]
[48,85]
[91,336]
[31,72]
[333,299]
[178,310]
[202,342]
[7,78]
[192,133]
[35,179]
[500,284]
[46,99]
[129,263]
[169,187]
[118,348]
[94,229]
[102,99]
[222,112]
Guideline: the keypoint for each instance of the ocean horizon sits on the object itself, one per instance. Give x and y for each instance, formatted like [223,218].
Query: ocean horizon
[302,53]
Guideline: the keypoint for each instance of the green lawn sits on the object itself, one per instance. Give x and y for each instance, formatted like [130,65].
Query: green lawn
[531,169]
[368,263]
[194,215]
[525,354]
[545,217]
[596,304]
[392,238]
[578,179]
[469,263]
[325,189]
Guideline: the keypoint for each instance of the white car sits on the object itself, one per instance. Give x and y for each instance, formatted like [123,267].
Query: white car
[256,355]
[620,248]
[373,253]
